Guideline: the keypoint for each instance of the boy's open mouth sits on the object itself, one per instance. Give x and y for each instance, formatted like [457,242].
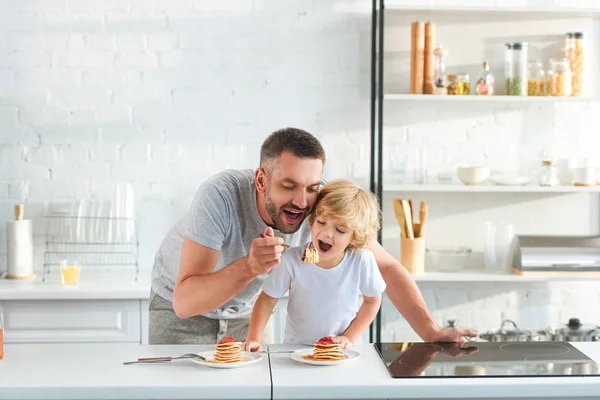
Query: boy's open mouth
[323,247]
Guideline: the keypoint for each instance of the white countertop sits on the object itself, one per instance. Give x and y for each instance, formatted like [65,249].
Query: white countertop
[368,378]
[95,371]
[92,286]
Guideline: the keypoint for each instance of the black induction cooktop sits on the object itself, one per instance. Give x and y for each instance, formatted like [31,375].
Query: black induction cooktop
[482,359]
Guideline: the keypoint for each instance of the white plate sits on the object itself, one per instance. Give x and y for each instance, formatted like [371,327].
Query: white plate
[510,180]
[251,357]
[297,356]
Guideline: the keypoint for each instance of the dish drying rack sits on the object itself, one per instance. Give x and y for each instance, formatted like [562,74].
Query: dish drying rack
[99,242]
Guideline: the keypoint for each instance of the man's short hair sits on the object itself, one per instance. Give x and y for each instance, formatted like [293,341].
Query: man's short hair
[297,141]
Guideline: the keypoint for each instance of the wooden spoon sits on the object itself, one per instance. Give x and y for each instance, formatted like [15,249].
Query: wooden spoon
[399,211]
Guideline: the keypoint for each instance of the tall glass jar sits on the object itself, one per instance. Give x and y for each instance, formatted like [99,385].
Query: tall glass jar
[559,77]
[576,54]
[515,68]
[549,173]
[536,79]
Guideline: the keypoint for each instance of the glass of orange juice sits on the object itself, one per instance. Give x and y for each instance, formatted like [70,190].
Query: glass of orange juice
[69,271]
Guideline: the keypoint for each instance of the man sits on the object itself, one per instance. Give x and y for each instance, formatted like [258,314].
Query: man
[209,269]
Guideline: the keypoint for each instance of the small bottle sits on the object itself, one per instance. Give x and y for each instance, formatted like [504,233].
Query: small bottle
[486,81]
[549,173]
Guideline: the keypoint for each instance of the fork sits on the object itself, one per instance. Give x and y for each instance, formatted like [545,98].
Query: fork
[163,359]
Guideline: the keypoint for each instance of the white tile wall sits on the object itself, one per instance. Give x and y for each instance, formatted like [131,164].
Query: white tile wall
[165,93]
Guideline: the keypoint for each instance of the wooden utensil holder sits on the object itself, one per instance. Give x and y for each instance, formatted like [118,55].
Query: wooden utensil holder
[412,254]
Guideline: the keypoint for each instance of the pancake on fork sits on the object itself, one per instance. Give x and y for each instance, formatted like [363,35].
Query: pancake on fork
[228,350]
[311,255]
[326,349]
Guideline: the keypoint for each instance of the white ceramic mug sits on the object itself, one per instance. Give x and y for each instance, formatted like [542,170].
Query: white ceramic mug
[565,173]
[584,175]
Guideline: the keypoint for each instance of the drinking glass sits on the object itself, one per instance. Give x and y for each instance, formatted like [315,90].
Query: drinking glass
[69,271]
[397,164]
[499,247]
[420,166]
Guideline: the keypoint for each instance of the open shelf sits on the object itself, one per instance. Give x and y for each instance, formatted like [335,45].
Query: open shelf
[488,99]
[483,276]
[490,188]
[546,12]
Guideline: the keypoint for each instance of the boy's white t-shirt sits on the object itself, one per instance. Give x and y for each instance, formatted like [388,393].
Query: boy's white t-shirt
[323,302]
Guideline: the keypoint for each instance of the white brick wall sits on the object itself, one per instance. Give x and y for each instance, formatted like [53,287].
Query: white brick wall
[165,93]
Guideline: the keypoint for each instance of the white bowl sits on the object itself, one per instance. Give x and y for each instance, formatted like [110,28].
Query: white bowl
[473,175]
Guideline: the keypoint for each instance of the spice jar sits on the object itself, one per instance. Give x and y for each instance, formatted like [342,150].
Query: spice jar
[461,84]
[559,77]
[575,52]
[515,68]
[451,83]
[549,173]
[486,81]
[536,79]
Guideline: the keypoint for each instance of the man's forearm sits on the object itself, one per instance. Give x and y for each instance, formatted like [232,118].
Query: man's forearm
[200,294]
[404,294]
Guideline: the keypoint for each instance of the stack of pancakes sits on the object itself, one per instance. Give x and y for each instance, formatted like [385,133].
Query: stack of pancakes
[311,256]
[326,351]
[228,352]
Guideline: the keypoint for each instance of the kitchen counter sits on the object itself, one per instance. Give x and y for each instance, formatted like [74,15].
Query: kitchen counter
[368,378]
[92,286]
[95,371]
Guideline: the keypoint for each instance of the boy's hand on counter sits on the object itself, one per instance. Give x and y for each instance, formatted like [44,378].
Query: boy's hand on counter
[252,345]
[346,343]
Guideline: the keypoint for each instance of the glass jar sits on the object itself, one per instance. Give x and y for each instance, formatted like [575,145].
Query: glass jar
[460,84]
[515,68]
[559,77]
[549,173]
[486,81]
[575,52]
[440,81]
[451,83]
[536,79]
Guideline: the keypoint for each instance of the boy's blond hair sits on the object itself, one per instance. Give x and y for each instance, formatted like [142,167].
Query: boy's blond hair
[355,206]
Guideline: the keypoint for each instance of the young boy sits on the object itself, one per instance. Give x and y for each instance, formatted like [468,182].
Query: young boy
[324,298]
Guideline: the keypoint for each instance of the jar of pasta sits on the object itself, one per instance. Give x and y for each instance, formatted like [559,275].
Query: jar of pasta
[536,79]
[575,50]
[559,77]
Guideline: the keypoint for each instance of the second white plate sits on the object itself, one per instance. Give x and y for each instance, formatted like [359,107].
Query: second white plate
[297,356]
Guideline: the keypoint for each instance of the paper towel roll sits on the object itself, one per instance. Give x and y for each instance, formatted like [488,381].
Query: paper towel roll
[19,249]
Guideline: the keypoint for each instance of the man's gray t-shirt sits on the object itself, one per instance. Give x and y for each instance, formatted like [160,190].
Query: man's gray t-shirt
[223,216]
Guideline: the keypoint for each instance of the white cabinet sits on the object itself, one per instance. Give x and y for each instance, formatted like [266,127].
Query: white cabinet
[74,321]
[144,320]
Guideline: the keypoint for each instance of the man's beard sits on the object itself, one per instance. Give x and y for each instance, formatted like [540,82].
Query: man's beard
[277,215]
